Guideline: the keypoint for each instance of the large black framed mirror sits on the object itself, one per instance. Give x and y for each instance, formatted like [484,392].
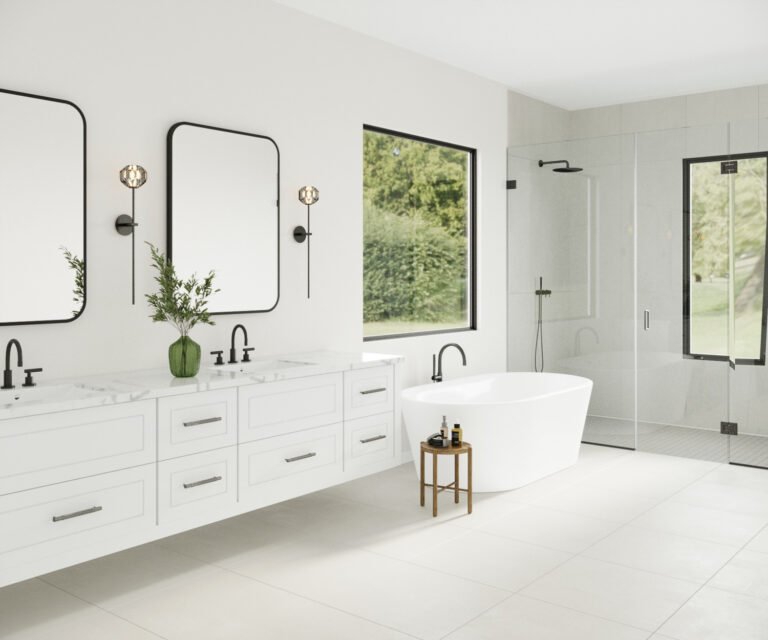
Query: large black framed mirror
[42,209]
[224,213]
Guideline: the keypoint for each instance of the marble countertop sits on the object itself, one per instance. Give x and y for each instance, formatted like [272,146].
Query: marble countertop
[113,388]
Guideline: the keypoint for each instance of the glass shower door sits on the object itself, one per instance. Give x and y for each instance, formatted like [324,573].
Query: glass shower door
[749,378]
[577,234]
[681,399]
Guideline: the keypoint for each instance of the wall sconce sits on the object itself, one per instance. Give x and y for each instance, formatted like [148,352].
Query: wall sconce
[307,195]
[132,176]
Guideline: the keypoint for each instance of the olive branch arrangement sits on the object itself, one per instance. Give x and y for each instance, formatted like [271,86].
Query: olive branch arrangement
[182,303]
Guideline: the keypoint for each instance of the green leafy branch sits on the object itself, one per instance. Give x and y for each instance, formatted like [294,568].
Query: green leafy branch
[182,303]
[78,266]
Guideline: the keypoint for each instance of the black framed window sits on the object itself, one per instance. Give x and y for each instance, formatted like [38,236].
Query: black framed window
[419,252]
[724,269]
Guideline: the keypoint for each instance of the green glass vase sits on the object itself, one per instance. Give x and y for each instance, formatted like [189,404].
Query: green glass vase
[184,357]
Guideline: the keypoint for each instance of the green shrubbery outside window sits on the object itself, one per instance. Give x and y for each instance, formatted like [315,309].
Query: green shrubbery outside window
[418,255]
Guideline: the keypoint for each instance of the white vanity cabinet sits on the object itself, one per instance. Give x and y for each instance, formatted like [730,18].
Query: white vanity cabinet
[198,488]
[196,422]
[274,409]
[55,447]
[369,413]
[83,482]
[290,465]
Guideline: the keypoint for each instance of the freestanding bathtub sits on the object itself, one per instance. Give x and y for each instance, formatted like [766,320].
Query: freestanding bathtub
[522,426]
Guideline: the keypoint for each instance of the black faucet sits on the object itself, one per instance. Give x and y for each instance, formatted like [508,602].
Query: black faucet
[7,373]
[437,375]
[232,353]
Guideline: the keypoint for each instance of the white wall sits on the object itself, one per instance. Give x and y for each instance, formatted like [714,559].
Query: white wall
[714,107]
[136,68]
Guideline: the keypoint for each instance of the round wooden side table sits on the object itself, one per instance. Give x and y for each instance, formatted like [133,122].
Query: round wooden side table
[464,447]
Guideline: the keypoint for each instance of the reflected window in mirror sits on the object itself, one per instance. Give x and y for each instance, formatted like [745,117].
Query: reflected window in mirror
[42,209]
[223,213]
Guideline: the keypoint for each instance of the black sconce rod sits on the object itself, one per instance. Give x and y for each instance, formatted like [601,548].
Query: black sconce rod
[133,247]
[309,238]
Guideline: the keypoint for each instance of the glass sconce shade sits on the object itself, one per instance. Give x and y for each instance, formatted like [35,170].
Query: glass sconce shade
[133,176]
[309,195]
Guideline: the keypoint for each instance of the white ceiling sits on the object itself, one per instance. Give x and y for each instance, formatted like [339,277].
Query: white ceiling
[575,53]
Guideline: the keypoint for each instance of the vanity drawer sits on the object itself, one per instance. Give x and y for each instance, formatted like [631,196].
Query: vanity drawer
[275,408]
[56,447]
[368,391]
[282,467]
[197,485]
[196,422]
[368,440]
[56,519]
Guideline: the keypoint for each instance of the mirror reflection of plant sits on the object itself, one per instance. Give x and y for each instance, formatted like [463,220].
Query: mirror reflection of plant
[182,303]
[78,266]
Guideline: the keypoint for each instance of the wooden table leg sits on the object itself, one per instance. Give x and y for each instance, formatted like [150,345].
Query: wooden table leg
[421,478]
[469,481]
[434,485]
[456,478]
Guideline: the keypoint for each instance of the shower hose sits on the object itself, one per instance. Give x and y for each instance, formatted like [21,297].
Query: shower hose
[538,348]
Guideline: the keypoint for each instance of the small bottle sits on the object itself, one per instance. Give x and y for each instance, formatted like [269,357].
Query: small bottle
[456,435]
[445,432]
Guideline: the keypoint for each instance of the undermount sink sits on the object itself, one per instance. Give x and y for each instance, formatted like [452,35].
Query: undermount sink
[53,393]
[260,366]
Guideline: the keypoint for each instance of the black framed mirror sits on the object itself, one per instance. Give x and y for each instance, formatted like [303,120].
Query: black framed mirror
[224,213]
[42,209]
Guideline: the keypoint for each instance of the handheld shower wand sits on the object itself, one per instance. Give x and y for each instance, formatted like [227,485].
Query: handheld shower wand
[538,348]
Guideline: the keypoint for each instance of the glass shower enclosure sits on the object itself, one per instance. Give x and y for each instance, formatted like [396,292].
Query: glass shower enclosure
[655,257]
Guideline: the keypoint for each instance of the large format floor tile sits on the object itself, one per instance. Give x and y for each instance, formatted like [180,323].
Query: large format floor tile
[599,502]
[223,605]
[34,610]
[701,522]
[550,528]
[661,552]
[759,542]
[747,573]
[521,618]
[135,574]
[747,500]
[713,614]
[629,596]
[492,560]
[391,592]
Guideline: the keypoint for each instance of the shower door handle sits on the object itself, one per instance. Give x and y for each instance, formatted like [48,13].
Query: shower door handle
[646,320]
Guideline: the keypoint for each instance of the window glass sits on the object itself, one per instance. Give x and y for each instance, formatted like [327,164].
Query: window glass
[418,217]
[726,236]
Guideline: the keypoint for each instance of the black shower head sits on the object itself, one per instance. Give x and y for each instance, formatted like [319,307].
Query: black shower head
[566,169]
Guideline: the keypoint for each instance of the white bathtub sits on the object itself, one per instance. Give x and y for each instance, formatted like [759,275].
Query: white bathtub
[522,426]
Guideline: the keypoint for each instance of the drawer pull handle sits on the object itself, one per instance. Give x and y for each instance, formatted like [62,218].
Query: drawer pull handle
[373,439]
[303,457]
[191,485]
[366,392]
[76,514]
[197,423]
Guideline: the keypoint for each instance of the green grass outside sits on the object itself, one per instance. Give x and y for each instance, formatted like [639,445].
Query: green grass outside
[709,317]
[393,327]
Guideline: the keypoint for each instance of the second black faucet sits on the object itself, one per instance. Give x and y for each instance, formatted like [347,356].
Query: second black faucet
[437,373]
